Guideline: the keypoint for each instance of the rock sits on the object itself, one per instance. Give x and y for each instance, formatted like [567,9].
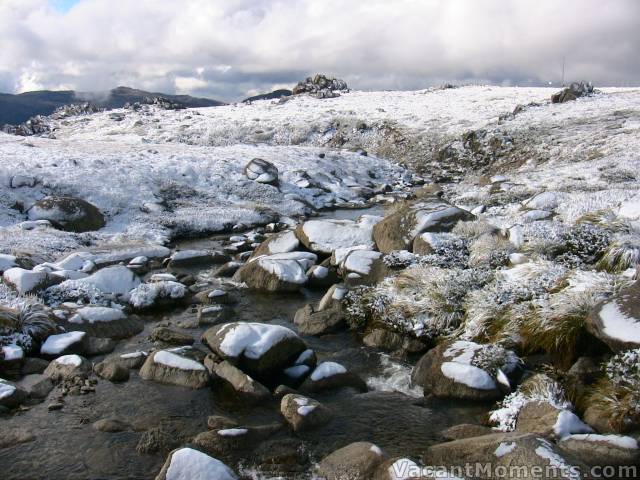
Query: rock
[320,86]
[229,441]
[68,213]
[7,262]
[187,463]
[400,469]
[112,371]
[282,456]
[258,349]
[99,346]
[27,282]
[600,450]
[195,258]
[366,264]
[36,385]
[111,425]
[303,413]
[537,417]
[117,281]
[218,422]
[389,341]
[616,321]
[11,395]
[261,171]
[312,322]
[170,336]
[502,450]
[64,344]
[600,420]
[15,436]
[67,367]
[398,230]
[332,375]
[333,297]
[283,242]
[215,296]
[131,360]
[326,236]
[240,383]
[158,295]
[214,314]
[322,277]
[357,461]
[282,272]
[572,92]
[105,322]
[164,366]
[228,269]
[33,365]
[448,371]
[465,430]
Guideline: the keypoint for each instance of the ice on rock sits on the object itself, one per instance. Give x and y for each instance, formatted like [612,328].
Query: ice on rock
[55,344]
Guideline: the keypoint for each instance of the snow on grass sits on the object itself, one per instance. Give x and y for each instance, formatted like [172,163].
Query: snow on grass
[252,340]
[169,359]
[55,344]
[327,370]
[190,464]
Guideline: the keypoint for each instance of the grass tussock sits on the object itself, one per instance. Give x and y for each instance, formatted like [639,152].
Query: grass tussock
[620,256]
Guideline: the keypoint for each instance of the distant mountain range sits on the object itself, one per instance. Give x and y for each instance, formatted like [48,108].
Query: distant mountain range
[15,109]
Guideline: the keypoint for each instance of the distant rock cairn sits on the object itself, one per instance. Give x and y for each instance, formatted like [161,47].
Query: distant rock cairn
[572,92]
[321,86]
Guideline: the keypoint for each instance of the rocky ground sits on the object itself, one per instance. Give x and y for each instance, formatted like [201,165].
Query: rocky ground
[170,293]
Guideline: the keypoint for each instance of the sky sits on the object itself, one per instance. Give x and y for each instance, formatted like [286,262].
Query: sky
[229,49]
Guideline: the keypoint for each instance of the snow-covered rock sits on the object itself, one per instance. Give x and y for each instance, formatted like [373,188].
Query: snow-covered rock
[28,281]
[67,367]
[162,293]
[190,464]
[616,321]
[257,348]
[164,366]
[68,213]
[261,171]
[104,322]
[282,242]
[593,449]
[325,236]
[10,394]
[64,343]
[331,375]
[281,272]
[303,413]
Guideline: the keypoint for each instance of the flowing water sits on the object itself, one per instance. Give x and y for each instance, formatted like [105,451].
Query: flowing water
[392,415]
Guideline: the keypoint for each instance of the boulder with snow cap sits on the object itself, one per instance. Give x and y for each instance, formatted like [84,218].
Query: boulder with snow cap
[398,230]
[544,419]
[11,395]
[64,344]
[356,461]
[187,463]
[466,370]
[363,267]
[241,384]
[281,272]
[616,321]
[282,242]
[104,322]
[326,236]
[67,367]
[165,366]
[26,282]
[332,375]
[133,360]
[600,450]
[261,171]
[504,450]
[158,295]
[303,413]
[195,258]
[333,297]
[68,213]
[257,348]
[116,282]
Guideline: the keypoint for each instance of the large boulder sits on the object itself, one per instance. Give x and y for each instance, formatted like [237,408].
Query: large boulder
[36,385]
[522,450]
[600,450]
[465,370]
[320,86]
[572,92]
[326,236]
[68,213]
[282,272]
[283,242]
[243,386]
[190,464]
[544,419]
[104,322]
[303,413]
[616,321]
[363,267]
[112,371]
[357,461]
[398,230]
[258,349]
[261,171]
[67,367]
[165,366]
[64,344]
[311,321]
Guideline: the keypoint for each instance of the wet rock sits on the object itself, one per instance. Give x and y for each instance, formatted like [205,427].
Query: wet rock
[501,450]
[282,272]
[104,322]
[599,450]
[261,171]
[326,236]
[257,348]
[616,321]
[27,282]
[157,440]
[332,375]
[312,322]
[33,365]
[111,425]
[214,314]
[167,367]
[357,461]
[112,371]
[383,340]
[11,395]
[448,371]
[36,385]
[465,430]
[398,230]
[170,336]
[218,422]
[215,296]
[231,441]
[303,413]
[67,367]
[187,463]
[245,387]
[68,213]
[15,436]
[282,456]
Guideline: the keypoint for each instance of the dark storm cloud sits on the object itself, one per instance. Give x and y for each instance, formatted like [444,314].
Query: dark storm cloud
[228,49]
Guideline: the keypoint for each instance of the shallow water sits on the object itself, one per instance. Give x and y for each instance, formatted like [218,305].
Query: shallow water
[393,415]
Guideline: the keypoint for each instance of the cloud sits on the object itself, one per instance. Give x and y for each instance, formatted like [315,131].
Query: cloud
[228,48]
